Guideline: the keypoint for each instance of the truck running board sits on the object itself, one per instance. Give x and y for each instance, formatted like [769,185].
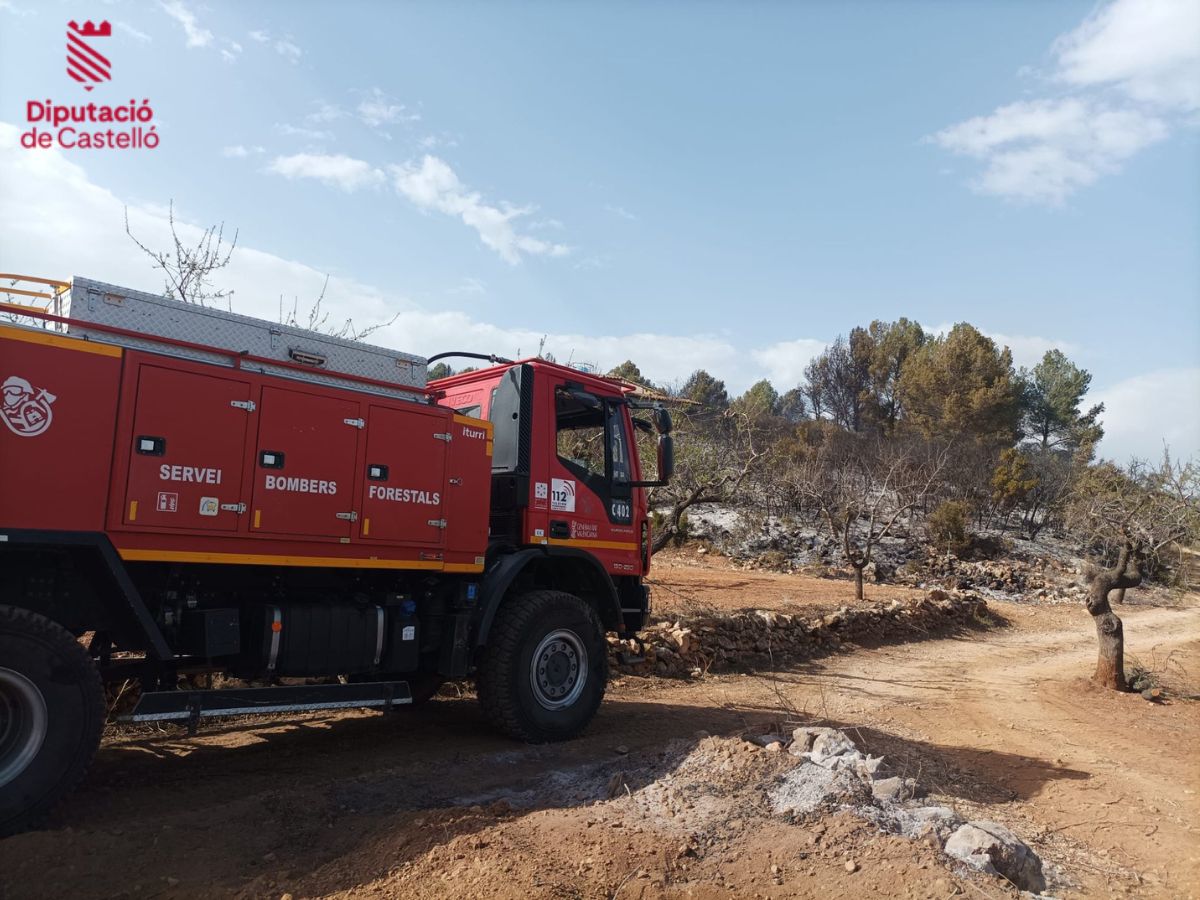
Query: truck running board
[196,705]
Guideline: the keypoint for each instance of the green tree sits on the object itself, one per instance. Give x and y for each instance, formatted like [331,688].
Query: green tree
[628,371]
[962,386]
[791,406]
[836,382]
[891,345]
[705,391]
[1051,397]
[1013,481]
[439,370]
[761,401]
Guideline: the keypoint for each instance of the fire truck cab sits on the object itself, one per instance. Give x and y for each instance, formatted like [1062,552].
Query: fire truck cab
[186,492]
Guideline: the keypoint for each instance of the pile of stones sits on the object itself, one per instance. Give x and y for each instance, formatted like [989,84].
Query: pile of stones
[696,645]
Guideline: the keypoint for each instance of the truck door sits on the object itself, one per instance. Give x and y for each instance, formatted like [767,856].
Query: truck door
[189,435]
[588,490]
[405,486]
[304,464]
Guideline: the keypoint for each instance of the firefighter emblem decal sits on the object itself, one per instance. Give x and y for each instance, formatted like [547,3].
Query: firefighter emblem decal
[26,409]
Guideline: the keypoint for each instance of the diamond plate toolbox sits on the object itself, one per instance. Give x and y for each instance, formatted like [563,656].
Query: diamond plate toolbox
[94,302]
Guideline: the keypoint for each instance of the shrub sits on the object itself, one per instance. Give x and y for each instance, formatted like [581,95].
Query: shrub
[947,526]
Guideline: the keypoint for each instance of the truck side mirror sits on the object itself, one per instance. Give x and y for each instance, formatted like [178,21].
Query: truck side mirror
[666,463]
[666,454]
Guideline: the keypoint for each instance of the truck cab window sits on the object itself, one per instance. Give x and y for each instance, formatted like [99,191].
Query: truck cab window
[618,449]
[579,419]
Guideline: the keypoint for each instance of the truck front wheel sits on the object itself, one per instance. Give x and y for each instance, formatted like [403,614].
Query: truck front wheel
[51,716]
[544,669]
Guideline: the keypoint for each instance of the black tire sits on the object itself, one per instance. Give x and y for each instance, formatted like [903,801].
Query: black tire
[572,671]
[50,687]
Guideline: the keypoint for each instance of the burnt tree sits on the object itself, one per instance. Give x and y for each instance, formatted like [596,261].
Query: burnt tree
[1110,632]
[862,485]
[718,451]
[1132,517]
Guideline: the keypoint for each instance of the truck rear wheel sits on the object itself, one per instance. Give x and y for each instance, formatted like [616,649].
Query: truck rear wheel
[544,670]
[51,716]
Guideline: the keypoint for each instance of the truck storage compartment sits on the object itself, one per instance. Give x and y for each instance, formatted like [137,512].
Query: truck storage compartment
[94,302]
[404,490]
[304,464]
[185,471]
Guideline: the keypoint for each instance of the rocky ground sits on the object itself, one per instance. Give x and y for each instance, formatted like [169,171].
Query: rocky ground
[1001,565]
[896,762]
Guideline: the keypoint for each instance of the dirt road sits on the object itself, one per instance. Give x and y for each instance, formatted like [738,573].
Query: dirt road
[430,803]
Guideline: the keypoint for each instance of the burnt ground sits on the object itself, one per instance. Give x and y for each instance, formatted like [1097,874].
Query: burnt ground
[662,797]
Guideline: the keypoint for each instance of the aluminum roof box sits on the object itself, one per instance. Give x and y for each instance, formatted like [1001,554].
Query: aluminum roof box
[152,316]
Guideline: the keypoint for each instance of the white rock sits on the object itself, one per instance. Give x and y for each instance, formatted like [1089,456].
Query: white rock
[826,747]
[993,848]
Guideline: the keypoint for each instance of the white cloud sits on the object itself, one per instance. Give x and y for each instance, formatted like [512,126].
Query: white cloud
[288,50]
[469,285]
[325,112]
[1045,150]
[433,141]
[196,35]
[1143,412]
[241,151]
[785,361]
[378,109]
[231,51]
[1150,49]
[432,185]
[620,211]
[63,224]
[309,134]
[340,171]
[139,36]
[284,46]
[1133,72]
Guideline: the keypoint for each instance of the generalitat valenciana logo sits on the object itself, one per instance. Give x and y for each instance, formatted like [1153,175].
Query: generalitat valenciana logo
[85,63]
[71,126]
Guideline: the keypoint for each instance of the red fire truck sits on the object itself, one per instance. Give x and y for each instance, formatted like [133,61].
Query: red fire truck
[185,491]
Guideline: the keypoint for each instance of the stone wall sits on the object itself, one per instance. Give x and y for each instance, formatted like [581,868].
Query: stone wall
[696,645]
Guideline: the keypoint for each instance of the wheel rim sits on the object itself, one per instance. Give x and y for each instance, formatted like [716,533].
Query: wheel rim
[23,723]
[559,669]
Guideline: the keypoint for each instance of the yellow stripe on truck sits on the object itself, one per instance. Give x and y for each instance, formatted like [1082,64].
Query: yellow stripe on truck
[132,554]
[49,339]
[595,545]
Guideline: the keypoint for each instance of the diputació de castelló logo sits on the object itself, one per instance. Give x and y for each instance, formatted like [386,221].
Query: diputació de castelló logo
[68,126]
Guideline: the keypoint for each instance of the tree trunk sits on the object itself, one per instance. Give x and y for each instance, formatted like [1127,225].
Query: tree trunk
[1120,596]
[1110,633]
[1110,666]
[858,582]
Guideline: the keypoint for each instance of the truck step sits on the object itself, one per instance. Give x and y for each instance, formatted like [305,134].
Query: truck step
[162,706]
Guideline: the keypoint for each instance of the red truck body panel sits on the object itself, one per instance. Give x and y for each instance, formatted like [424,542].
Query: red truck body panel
[192,462]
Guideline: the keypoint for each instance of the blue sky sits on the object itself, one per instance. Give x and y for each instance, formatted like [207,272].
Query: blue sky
[715,184]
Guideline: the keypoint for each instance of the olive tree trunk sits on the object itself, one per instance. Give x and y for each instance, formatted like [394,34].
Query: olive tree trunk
[1110,633]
